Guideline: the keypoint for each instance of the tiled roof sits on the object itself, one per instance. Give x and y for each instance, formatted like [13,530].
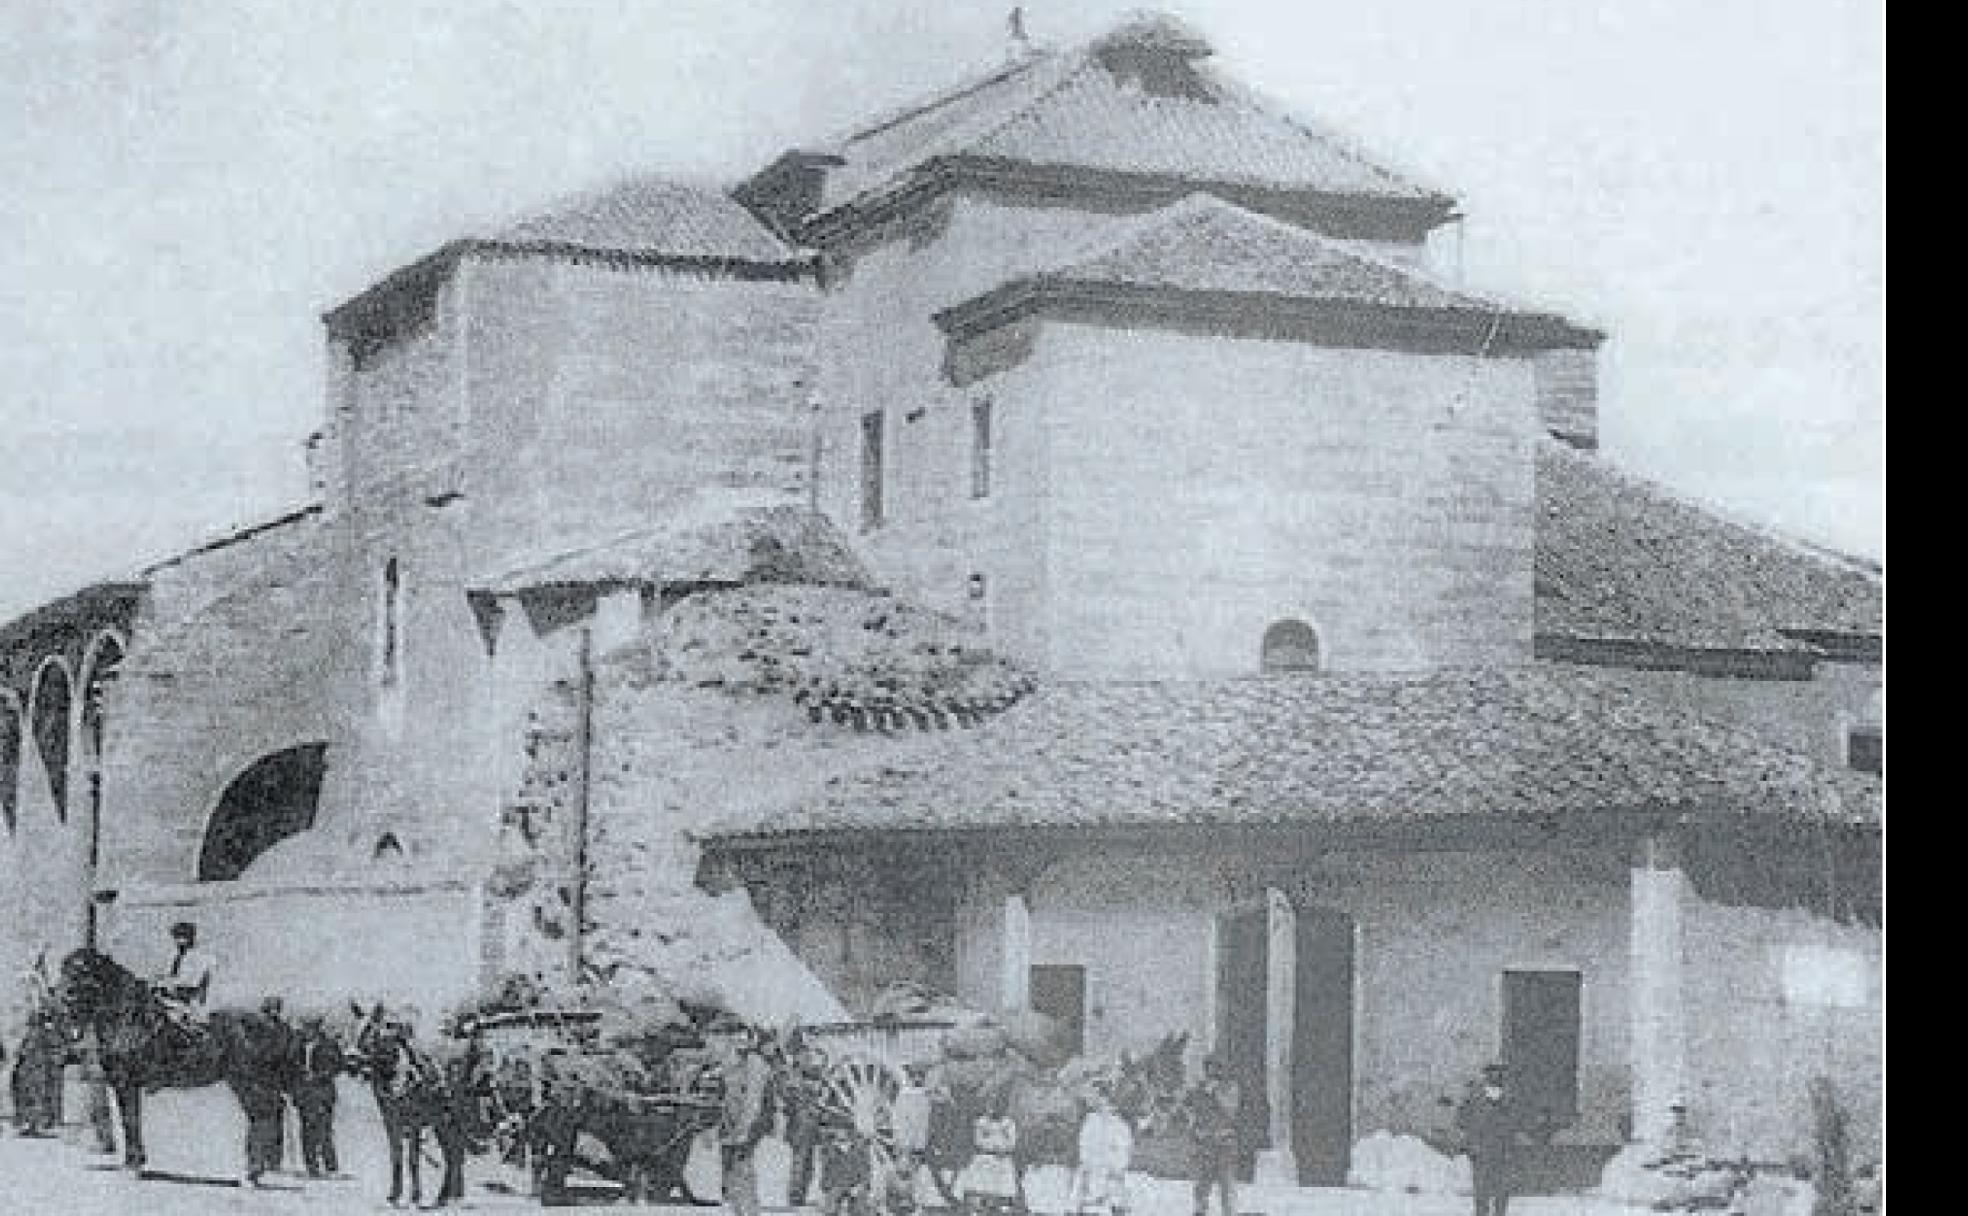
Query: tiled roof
[717,536]
[1205,244]
[1202,248]
[1620,558]
[1083,108]
[1519,743]
[652,216]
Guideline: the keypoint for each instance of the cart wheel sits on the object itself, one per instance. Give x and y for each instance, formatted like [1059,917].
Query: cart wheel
[862,1088]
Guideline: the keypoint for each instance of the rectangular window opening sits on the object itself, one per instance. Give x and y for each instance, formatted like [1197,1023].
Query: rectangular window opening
[1541,1031]
[980,450]
[871,470]
[1865,749]
[1058,991]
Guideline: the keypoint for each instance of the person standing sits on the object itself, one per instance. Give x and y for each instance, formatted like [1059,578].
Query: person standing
[743,1121]
[315,1071]
[1212,1109]
[804,1098]
[38,1074]
[1489,1124]
[1106,1150]
[95,1088]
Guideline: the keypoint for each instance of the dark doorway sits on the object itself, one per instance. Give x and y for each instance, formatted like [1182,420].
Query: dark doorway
[1541,1043]
[1322,1047]
[264,805]
[1242,959]
[1059,992]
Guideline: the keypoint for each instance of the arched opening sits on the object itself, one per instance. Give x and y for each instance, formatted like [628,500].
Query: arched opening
[388,849]
[50,707]
[10,758]
[270,801]
[1290,646]
[98,676]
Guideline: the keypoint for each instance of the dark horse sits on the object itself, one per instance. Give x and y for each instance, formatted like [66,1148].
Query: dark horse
[144,1048]
[418,1088]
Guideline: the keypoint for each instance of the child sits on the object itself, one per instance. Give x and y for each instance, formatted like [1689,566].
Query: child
[990,1182]
[1106,1147]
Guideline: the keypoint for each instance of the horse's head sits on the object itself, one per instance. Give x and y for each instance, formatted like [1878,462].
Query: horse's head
[91,983]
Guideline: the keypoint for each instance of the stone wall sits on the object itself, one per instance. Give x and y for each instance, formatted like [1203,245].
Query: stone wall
[262,662]
[1434,935]
[319,945]
[1775,998]
[601,398]
[1203,488]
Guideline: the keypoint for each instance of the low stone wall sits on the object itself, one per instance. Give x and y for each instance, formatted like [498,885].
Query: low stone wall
[315,946]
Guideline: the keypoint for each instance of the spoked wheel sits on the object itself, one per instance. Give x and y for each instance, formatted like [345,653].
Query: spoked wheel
[860,1093]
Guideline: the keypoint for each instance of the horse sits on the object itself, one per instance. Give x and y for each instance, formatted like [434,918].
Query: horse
[145,1048]
[417,1089]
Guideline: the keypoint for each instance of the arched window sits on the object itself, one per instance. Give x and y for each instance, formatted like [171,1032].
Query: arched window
[270,801]
[50,705]
[1290,646]
[10,758]
[388,848]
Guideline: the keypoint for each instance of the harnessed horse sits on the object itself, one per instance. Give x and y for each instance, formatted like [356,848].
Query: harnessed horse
[415,1090]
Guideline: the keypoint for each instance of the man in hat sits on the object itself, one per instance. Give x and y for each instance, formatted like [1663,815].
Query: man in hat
[1489,1122]
[187,982]
[319,1062]
[745,1117]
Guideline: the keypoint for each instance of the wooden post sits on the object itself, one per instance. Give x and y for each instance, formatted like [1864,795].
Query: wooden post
[1015,991]
[1277,1163]
[1658,1045]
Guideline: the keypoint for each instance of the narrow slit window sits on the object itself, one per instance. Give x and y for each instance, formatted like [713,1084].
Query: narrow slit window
[391,641]
[871,470]
[980,450]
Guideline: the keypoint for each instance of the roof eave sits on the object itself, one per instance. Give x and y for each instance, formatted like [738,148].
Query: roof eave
[1341,321]
[1371,213]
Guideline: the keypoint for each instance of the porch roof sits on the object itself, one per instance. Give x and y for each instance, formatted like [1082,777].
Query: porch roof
[1522,744]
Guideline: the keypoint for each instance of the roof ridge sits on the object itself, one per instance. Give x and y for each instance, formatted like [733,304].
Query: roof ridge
[1723,515]
[1072,64]
[896,116]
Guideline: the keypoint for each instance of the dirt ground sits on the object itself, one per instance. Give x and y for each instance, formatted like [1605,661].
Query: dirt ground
[60,1177]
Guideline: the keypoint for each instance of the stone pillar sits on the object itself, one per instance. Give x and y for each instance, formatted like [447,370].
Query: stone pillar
[1015,981]
[1276,1164]
[1659,1049]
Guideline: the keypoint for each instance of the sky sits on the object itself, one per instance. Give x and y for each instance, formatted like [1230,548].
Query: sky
[189,186]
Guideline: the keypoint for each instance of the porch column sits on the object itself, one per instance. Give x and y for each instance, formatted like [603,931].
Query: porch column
[1276,1164]
[1015,990]
[1654,980]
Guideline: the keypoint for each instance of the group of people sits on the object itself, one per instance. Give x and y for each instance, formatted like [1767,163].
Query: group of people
[820,1133]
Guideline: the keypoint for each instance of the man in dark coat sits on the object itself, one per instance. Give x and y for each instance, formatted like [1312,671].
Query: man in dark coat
[1212,1111]
[747,1110]
[37,1080]
[1490,1124]
[314,1096]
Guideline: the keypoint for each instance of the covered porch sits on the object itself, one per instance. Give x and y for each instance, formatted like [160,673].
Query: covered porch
[1359,891]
